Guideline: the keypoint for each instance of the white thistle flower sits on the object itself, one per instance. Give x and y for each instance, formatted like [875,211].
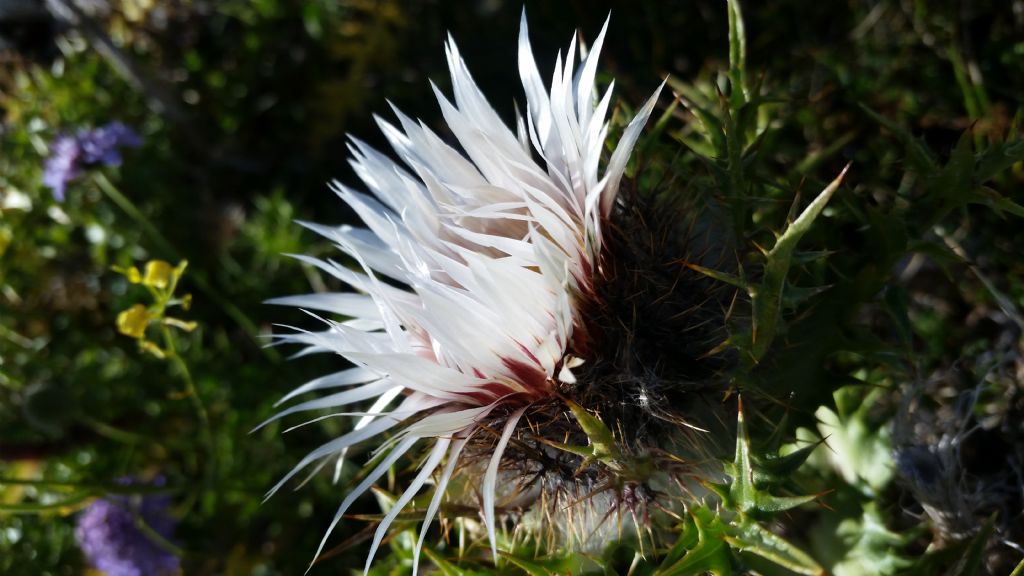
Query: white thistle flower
[492,245]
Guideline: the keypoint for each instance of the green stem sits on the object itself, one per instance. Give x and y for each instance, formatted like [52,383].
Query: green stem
[114,433]
[170,349]
[90,487]
[156,537]
[16,338]
[131,210]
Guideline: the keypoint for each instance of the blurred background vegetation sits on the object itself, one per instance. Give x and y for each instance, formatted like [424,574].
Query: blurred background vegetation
[243,107]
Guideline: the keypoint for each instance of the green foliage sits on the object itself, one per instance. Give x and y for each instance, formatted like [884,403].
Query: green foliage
[859,448]
[707,544]
[745,494]
[79,407]
[603,447]
[700,548]
[803,342]
[871,547]
[750,502]
[767,296]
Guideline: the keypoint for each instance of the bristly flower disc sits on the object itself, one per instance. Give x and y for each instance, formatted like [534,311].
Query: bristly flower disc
[491,241]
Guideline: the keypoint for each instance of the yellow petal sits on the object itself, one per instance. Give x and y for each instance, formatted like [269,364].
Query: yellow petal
[133,321]
[131,273]
[158,274]
[153,349]
[187,326]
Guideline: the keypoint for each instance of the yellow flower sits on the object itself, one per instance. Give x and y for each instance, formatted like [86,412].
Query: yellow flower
[158,274]
[133,321]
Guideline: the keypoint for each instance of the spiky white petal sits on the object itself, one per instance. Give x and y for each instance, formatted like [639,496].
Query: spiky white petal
[491,477]
[490,244]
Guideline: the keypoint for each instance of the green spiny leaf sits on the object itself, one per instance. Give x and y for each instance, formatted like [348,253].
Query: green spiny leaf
[545,567]
[730,279]
[709,555]
[767,298]
[748,536]
[720,490]
[601,439]
[711,125]
[744,495]
[779,469]
[997,158]
[737,55]
[603,447]
[688,538]
[786,243]
[742,492]
[584,451]
[996,201]
[445,567]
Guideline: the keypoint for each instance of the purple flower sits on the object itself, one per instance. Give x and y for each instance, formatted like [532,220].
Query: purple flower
[109,535]
[103,145]
[63,165]
[88,147]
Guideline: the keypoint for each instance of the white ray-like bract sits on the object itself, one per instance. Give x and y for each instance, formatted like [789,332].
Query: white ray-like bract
[490,242]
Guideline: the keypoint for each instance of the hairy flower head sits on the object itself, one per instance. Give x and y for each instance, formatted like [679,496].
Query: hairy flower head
[491,243]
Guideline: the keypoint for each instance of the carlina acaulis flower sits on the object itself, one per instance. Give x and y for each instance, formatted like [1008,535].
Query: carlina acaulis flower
[496,244]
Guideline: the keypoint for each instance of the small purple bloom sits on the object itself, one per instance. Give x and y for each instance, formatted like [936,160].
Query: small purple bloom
[112,542]
[103,145]
[69,155]
[63,165]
